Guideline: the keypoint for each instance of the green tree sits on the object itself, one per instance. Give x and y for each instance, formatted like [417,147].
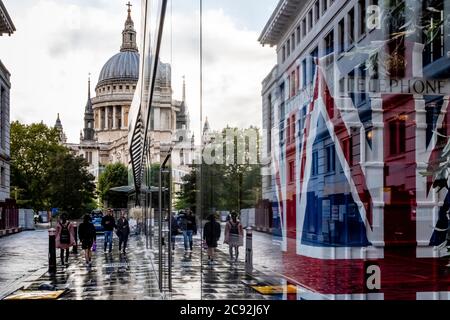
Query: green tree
[234,184]
[32,149]
[115,175]
[71,186]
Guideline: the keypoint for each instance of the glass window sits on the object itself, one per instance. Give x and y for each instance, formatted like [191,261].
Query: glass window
[315,163]
[362,17]
[351,26]
[341,31]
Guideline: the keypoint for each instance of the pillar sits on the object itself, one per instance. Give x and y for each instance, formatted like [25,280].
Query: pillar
[114,117]
[123,125]
[106,118]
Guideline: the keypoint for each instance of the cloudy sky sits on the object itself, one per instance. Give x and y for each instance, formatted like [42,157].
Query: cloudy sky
[59,42]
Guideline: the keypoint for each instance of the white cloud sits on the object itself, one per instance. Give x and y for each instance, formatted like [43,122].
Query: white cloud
[234,66]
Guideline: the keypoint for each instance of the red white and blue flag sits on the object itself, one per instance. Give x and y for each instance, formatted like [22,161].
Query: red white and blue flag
[350,193]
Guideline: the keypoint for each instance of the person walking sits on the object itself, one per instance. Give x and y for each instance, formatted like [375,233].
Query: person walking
[174,230]
[211,235]
[108,223]
[65,237]
[123,232]
[183,224]
[87,235]
[191,229]
[234,236]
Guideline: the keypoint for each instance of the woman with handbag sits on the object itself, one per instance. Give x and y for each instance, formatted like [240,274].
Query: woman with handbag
[87,236]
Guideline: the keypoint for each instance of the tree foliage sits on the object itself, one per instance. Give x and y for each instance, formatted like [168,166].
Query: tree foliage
[115,175]
[39,164]
[231,184]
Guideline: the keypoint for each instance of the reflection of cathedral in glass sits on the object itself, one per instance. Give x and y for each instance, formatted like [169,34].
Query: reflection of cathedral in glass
[104,138]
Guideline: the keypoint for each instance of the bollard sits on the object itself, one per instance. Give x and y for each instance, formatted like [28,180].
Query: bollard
[52,250]
[249,251]
[75,229]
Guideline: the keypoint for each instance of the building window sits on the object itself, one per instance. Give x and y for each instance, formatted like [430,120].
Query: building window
[329,43]
[3,177]
[288,131]
[304,73]
[120,87]
[304,27]
[288,48]
[324,6]
[330,158]
[293,42]
[298,34]
[128,87]
[291,171]
[397,135]
[347,146]
[314,56]
[351,26]
[316,11]
[310,19]
[297,79]
[433,22]
[292,84]
[315,163]
[362,17]
[341,31]
[293,128]
[283,53]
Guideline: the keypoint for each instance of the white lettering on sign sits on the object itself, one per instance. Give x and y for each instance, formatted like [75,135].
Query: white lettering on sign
[374,277]
[373,17]
[396,86]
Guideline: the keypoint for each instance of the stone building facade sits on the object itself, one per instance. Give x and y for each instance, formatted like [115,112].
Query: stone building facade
[104,138]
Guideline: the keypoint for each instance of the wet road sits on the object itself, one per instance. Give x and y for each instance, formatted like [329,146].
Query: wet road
[22,255]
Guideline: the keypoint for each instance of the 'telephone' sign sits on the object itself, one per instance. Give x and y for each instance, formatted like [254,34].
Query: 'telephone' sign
[395,86]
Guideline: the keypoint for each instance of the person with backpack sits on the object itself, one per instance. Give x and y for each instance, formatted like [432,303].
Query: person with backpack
[87,235]
[123,232]
[234,236]
[211,235]
[65,237]
[108,224]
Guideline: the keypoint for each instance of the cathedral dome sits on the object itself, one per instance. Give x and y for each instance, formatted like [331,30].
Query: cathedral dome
[122,66]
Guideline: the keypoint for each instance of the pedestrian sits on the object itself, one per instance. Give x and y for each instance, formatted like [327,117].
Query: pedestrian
[234,236]
[123,232]
[87,235]
[174,230]
[211,235]
[191,229]
[183,224]
[65,237]
[108,224]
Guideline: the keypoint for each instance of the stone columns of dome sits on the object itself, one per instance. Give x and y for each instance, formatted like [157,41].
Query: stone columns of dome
[123,124]
[114,117]
[106,118]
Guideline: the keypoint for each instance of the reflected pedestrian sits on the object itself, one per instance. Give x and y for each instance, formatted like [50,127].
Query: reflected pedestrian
[174,230]
[234,236]
[211,235]
[191,229]
[108,223]
[87,235]
[65,237]
[123,232]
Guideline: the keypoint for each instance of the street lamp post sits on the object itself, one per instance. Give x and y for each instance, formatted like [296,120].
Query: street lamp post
[52,251]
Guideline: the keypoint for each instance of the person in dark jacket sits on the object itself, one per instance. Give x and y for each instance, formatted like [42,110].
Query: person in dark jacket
[108,223]
[191,228]
[87,236]
[123,231]
[174,230]
[211,235]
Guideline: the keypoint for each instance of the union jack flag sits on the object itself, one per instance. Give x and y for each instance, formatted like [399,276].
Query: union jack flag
[350,193]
